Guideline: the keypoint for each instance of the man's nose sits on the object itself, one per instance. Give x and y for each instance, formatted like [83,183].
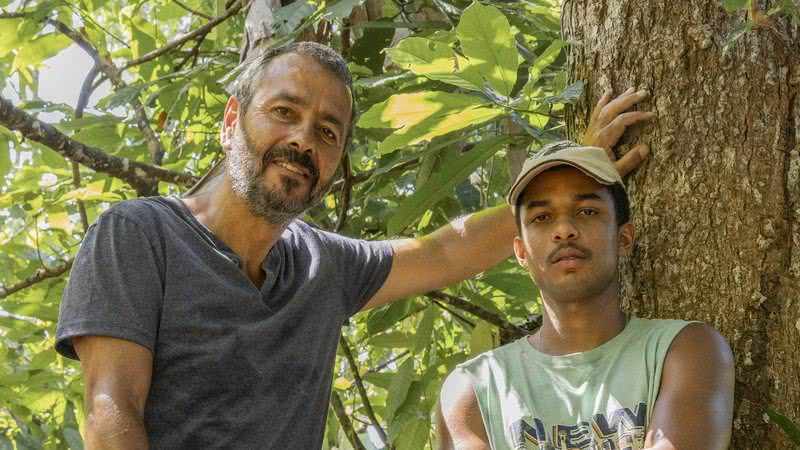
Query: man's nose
[302,138]
[565,230]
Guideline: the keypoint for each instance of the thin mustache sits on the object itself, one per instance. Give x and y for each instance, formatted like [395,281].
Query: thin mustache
[586,252]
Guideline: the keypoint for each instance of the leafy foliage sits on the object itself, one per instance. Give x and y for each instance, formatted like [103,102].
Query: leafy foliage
[438,83]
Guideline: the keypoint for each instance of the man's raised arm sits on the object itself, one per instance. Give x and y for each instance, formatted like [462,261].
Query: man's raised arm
[472,244]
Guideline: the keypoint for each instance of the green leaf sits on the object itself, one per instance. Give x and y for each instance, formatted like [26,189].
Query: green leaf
[73,438]
[791,429]
[733,5]
[122,97]
[392,340]
[9,38]
[382,380]
[5,159]
[340,9]
[34,52]
[289,17]
[425,329]
[5,444]
[381,319]
[518,286]
[398,390]
[422,116]
[486,39]
[545,59]
[483,338]
[442,183]
[368,50]
[437,61]
[569,95]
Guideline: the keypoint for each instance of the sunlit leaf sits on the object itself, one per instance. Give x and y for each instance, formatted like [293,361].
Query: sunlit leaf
[486,39]
[437,61]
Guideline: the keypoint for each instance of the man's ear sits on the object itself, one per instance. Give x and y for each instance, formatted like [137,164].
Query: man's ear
[230,120]
[519,252]
[626,235]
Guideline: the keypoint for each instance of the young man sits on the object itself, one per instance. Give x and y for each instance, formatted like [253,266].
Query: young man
[590,377]
[212,321]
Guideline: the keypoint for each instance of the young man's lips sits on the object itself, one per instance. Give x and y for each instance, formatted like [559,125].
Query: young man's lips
[568,254]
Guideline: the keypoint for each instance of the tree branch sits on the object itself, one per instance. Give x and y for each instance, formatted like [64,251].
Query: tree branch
[196,34]
[344,421]
[367,174]
[39,276]
[386,363]
[477,311]
[347,190]
[348,354]
[455,314]
[186,8]
[83,100]
[105,66]
[136,173]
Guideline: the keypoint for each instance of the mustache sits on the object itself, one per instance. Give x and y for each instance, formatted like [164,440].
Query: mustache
[292,156]
[586,252]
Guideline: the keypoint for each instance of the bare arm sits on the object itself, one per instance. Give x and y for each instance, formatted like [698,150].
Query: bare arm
[117,377]
[694,409]
[458,419]
[465,247]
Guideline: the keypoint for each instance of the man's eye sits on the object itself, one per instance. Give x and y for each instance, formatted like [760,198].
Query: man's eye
[539,218]
[329,133]
[587,212]
[282,110]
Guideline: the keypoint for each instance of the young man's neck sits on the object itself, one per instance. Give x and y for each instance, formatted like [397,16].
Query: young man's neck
[226,215]
[579,326]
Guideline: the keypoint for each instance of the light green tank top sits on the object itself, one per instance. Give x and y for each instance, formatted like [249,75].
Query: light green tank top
[600,399]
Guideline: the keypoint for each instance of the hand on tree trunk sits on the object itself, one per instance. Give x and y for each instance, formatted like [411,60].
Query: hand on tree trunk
[608,122]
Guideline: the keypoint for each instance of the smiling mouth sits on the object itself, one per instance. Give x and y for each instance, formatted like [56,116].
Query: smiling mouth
[294,168]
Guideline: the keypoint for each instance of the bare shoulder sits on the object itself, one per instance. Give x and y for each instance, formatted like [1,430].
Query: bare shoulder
[699,346]
[460,425]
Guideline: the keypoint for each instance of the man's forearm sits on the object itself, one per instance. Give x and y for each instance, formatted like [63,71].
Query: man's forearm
[475,243]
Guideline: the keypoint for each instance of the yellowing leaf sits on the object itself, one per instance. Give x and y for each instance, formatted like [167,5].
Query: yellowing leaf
[435,60]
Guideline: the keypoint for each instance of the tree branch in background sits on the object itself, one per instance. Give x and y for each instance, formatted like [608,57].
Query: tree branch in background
[136,173]
[458,316]
[348,354]
[83,100]
[105,66]
[367,174]
[38,277]
[386,363]
[344,421]
[196,13]
[477,311]
[347,190]
[196,34]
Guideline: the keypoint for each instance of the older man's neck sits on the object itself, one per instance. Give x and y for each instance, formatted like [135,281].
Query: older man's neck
[249,236]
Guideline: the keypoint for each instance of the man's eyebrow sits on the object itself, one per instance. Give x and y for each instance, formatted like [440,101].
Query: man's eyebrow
[300,101]
[334,120]
[590,196]
[538,203]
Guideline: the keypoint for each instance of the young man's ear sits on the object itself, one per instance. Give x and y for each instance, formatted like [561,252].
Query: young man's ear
[230,121]
[519,252]
[626,235]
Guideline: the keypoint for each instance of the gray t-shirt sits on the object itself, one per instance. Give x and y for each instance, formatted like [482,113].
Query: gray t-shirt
[233,366]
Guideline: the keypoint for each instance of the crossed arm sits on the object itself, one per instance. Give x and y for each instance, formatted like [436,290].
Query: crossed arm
[693,410]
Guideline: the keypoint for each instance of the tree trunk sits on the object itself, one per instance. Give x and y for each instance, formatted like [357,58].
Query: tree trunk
[717,206]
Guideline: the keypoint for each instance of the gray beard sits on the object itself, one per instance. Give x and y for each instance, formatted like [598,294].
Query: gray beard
[275,206]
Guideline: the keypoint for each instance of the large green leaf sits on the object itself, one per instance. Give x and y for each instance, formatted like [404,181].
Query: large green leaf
[425,329]
[422,116]
[381,319]
[486,39]
[34,52]
[442,183]
[483,338]
[9,38]
[437,61]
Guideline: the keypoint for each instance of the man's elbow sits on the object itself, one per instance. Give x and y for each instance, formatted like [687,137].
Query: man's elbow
[111,420]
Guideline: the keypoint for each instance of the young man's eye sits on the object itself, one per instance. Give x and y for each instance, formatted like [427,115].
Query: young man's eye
[539,218]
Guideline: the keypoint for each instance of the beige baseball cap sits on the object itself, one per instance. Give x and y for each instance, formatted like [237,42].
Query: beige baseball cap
[593,161]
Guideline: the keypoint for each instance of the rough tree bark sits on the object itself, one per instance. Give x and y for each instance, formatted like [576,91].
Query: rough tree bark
[717,206]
